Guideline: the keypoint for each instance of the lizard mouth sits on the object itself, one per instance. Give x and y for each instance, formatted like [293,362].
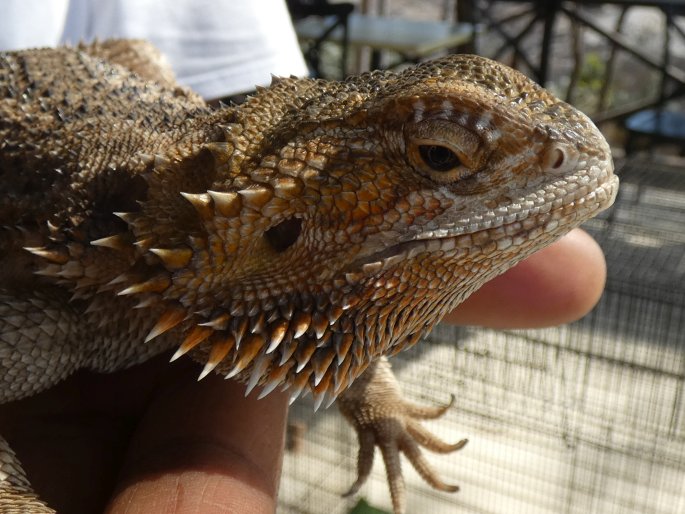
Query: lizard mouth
[516,227]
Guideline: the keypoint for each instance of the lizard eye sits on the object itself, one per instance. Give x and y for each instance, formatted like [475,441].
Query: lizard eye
[443,151]
[439,158]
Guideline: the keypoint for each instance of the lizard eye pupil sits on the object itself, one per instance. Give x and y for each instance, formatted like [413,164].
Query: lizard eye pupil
[439,158]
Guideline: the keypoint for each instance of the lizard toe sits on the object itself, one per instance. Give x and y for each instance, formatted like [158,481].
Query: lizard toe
[376,408]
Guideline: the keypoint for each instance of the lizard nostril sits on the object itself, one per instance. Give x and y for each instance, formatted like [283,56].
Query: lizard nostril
[559,160]
[283,236]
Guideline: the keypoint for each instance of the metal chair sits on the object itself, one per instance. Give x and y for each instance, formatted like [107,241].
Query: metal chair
[339,12]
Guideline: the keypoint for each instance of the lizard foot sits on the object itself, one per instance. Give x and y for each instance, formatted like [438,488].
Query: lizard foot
[375,407]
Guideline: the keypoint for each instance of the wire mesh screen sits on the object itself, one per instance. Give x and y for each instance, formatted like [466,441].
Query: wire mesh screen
[584,418]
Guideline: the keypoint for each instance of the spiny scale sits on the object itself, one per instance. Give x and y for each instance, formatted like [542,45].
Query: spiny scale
[249,348]
[321,362]
[301,322]
[168,320]
[277,333]
[202,204]
[54,256]
[115,242]
[261,364]
[217,353]
[281,352]
[195,336]
[173,258]
[228,204]
[275,378]
[287,352]
[154,285]
[220,151]
[298,385]
[305,351]
[218,323]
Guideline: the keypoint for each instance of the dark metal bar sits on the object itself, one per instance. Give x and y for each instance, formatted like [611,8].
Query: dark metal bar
[550,10]
[493,24]
[671,71]
[678,29]
[609,76]
[577,34]
[517,39]
[633,107]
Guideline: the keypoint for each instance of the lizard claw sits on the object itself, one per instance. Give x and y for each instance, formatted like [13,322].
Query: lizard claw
[383,418]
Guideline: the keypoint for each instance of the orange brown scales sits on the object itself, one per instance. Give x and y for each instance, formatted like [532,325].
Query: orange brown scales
[296,240]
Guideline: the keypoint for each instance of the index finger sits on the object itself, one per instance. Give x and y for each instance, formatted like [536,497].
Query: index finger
[556,285]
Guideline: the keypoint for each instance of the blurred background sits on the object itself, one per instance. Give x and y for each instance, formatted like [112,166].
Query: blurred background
[584,418]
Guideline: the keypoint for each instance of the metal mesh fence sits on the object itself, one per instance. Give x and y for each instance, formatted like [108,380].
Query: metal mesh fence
[584,418]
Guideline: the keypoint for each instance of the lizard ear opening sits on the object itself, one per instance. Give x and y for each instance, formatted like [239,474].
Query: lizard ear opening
[283,236]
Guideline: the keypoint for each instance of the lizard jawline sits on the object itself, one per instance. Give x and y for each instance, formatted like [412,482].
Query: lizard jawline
[503,234]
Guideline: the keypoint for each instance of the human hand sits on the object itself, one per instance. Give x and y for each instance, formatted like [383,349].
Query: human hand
[167,444]
[559,284]
[160,440]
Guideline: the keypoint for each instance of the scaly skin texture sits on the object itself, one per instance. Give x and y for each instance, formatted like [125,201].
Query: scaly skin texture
[293,242]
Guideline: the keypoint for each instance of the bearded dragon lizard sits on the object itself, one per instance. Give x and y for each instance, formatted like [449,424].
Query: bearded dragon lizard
[292,242]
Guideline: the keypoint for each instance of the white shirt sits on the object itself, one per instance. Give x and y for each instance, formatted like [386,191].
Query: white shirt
[218,48]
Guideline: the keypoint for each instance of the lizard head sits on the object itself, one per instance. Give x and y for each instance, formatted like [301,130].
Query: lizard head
[336,222]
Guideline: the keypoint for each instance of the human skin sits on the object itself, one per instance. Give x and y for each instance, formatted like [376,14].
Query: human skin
[556,285]
[165,443]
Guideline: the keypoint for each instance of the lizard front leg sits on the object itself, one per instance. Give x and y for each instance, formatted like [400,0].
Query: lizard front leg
[16,496]
[375,407]
[42,341]
[39,346]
